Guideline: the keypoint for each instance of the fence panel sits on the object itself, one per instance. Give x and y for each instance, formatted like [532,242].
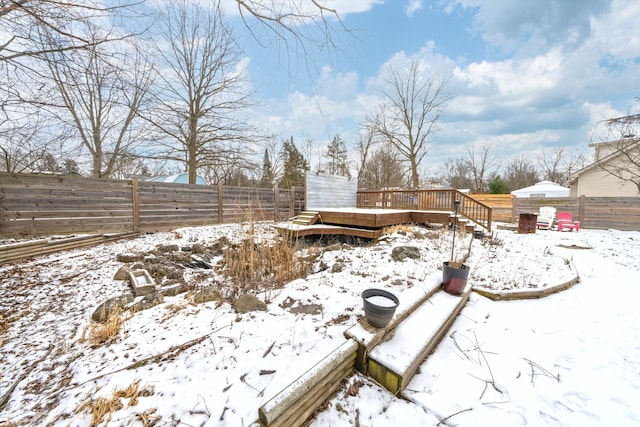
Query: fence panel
[36,205]
[165,206]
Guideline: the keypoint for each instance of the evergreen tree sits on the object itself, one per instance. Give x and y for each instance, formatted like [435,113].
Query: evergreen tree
[267,171]
[498,186]
[338,163]
[295,166]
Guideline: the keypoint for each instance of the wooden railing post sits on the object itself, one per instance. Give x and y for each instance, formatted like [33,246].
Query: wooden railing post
[581,209]
[135,204]
[220,204]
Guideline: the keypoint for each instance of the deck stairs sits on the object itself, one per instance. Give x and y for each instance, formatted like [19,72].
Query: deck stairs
[307,218]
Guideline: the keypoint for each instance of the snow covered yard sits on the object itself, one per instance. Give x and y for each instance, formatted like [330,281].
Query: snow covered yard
[568,359]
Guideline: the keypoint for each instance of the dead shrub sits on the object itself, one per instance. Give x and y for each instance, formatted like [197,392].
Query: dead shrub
[107,332]
[103,407]
[268,265]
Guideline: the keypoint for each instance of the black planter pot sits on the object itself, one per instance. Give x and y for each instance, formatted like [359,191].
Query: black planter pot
[379,306]
[454,279]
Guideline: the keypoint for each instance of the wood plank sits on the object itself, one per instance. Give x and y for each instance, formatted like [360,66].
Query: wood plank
[279,409]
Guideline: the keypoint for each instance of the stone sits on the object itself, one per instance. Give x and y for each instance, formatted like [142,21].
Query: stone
[128,257]
[400,253]
[147,302]
[168,248]
[306,309]
[198,248]
[122,273]
[247,303]
[174,289]
[207,294]
[104,310]
[337,267]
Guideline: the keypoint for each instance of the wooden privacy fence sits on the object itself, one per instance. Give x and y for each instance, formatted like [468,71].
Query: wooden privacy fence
[621,213]
[39,205]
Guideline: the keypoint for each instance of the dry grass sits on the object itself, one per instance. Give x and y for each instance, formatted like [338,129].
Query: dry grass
[107,332]
[264,266]
[103,407]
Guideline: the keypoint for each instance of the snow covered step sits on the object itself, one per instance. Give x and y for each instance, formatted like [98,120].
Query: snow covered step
[306,218]
[394,362]
[368,336]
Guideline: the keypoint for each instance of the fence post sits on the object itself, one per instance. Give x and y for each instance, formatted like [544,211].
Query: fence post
[581,209]
[135,204]
[292,202]
[220,204]
[276,205]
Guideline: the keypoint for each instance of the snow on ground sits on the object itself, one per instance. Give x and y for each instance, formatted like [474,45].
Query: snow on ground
[571,358]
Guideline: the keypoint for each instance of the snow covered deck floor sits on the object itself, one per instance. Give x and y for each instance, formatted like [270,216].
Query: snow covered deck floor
[365,223]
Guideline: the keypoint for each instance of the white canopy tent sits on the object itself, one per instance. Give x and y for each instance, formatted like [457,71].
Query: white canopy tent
[543,189]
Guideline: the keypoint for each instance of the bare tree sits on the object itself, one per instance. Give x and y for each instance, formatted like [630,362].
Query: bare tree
[203,92]
[100,96]
[558,165]
[620,155]
[457,173]
[414,103]
[520,173]
[22,22]
[303,27]
[483,165]
[365,143]
[383,169]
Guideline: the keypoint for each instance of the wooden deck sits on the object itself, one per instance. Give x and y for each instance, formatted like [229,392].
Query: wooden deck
[364,223]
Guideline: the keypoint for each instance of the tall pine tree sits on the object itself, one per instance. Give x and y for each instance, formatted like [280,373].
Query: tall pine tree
[267,178]
[295,166]
[337,161]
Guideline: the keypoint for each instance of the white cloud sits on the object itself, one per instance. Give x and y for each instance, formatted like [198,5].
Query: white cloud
[413,6]
[516,25]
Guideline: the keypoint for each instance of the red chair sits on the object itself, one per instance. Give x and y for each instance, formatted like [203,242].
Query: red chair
[565,221]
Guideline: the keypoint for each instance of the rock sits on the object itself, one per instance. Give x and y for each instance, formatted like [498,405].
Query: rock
[104,310]
[334,247]
[207,294]
[174,274]
[122,273]
[402,252]
[337,267]
[248,302]
[174,289]
[198,248]
[306,309]
[147,302]
[128,257]
[167,248]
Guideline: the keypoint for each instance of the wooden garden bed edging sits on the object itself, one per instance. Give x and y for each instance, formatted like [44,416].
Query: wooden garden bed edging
[293,405]
[16,251]
[529,294]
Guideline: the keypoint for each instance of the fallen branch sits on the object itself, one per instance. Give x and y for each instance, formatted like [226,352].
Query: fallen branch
[493,381]
[545,372]
[171,352]
[7,395]
[443,421]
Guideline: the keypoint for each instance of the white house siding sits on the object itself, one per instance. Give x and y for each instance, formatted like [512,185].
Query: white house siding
[598,183]
[330,191]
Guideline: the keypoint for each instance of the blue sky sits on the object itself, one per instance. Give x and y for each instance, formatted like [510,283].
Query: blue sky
[525,75]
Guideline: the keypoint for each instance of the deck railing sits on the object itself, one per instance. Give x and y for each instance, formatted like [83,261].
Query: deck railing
[428,200]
